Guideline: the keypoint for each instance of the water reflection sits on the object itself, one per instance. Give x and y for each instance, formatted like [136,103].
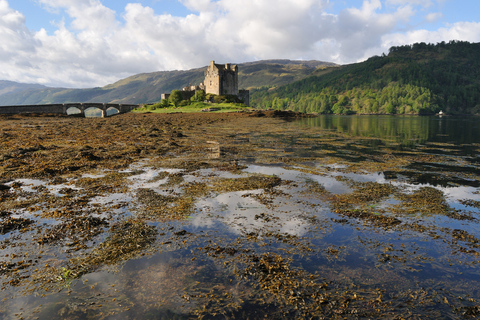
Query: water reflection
[406,130]
[243,214]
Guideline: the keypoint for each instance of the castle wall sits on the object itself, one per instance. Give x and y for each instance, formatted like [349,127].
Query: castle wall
[186,95]
[244,95]
[230,81]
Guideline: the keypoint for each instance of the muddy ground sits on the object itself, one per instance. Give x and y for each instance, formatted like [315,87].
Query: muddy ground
[48,146]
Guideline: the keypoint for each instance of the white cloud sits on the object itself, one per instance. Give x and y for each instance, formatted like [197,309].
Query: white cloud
[94,48]
[464,31]
[86,14]
[424,3]
[15,40]
[434,16]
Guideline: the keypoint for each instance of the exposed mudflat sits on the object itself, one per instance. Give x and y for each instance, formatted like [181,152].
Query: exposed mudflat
[231,215]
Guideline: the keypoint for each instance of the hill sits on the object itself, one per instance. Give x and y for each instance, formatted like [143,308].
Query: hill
[412,79]
[148,87]
[12,87]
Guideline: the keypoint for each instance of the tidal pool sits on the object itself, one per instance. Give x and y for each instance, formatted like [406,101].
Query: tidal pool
[318,218]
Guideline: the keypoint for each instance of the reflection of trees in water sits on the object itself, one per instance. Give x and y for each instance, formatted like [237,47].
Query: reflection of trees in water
[406,130]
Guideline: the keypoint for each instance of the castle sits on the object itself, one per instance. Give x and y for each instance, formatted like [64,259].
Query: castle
[219,80]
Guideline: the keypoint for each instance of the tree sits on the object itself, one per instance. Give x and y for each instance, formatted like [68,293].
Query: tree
[164,103]
[175,97]
[199,96]
[389,108]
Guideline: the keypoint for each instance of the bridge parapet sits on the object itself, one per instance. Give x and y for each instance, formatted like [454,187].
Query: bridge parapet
[62,108]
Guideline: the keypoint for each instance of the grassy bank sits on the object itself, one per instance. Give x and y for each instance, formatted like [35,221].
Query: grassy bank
[194,107]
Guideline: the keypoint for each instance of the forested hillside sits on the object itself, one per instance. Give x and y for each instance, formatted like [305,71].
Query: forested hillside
[412,79]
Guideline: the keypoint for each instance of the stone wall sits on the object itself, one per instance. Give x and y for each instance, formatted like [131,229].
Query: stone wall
[244,95]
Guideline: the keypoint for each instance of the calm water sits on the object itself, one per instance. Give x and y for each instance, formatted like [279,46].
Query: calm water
[375,217]
[406,130]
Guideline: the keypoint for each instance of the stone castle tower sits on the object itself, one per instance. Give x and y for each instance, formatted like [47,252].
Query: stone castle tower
[221,79]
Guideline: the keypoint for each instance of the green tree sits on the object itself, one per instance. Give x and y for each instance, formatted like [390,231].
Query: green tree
[199,96]
[164,103]
[175,97]
[389,108]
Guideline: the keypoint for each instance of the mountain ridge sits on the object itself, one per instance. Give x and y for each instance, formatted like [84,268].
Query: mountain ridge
[148,87]
[12,86]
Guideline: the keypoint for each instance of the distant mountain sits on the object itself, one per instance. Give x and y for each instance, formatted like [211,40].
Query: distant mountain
[148,87]
[12,87]
[413,79]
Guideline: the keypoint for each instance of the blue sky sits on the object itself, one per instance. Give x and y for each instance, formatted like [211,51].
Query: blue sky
[38,17]
[87,43]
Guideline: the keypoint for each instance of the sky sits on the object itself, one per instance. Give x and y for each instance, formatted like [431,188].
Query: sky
[92,43]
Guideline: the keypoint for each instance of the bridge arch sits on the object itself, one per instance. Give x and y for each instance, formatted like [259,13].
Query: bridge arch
[112,111]
[72,111]
[94,112]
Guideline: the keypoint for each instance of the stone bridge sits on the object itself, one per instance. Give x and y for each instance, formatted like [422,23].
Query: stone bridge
[63,108]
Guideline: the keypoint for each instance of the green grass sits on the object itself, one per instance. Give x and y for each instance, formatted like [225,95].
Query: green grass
[196,107]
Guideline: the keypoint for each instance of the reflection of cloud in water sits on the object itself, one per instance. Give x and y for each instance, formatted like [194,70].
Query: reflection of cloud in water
[279,172]
[159,278]
[460,193]
[93,176]
[378,177]
[112,200]
[242,213]
[29,185]
[452,194]
[329,182]
[141,180]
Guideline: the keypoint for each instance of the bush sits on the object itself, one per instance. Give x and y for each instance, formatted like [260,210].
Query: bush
[218,99]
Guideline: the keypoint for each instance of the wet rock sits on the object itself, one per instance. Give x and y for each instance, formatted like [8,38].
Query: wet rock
[464,236]
[4,214]
[10,224]
[473,311]
[181,233]
[88,155]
